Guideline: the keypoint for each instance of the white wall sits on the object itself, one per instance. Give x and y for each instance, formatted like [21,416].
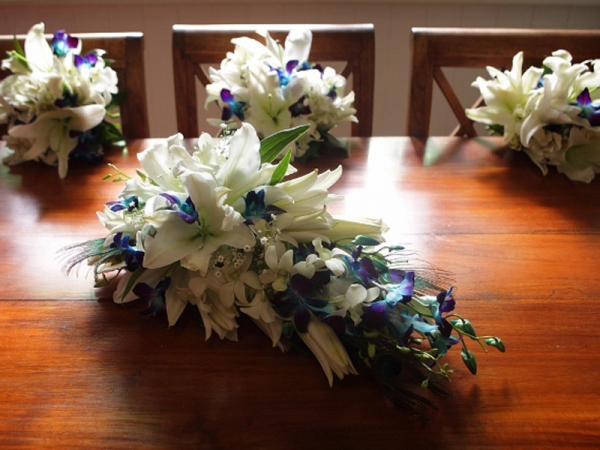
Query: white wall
[392,19]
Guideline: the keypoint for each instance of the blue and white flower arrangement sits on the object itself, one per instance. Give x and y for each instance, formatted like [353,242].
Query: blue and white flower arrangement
[225,232]
[552,112]
[274,88]
[55,102]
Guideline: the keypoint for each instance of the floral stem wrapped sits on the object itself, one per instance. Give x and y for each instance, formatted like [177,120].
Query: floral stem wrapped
[549,112]
[55,102]
[226,231]
[275,88]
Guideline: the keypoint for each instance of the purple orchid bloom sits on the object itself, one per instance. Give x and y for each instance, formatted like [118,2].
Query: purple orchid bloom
[285,76]
[298,300]
[128,204]
[62,43]
[299,108]
[234,107]
[88,60]
[186,209]
[133,257]
[256,208]
[589,111]
[154,296]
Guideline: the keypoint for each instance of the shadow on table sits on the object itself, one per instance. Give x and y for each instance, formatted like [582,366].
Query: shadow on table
[183,390]
[40,183]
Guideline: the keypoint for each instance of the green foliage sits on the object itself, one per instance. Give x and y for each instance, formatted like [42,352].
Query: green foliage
[272,146]
[469,359]
[281,169]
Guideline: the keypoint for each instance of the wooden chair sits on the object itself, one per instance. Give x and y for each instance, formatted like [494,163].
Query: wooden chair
[194,45]
[127,52]
[435,48]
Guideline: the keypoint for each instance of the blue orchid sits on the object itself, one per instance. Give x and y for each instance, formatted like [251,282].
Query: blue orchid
[88,60]
[363,268]
[299,108]
[128,204]
[298,300]
[234,107]
[133,257]
[256,208]
[62,43]
[186,209]
[589,111]
[286,75]
[154,296]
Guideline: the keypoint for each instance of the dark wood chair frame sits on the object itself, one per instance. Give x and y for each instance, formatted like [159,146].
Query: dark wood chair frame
[194,45]
[435,48]
[126,50]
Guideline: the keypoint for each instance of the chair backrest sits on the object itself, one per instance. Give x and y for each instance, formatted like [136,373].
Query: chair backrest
[434,48]
[126,50]
[194,45]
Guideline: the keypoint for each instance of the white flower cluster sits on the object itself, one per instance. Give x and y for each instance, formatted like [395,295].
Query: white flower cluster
[53,91]
[219,229]
[551,113]
[276,88]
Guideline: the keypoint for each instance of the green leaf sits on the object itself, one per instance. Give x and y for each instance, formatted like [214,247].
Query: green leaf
[272,146]
[109,133]
[463,325]
[20,58]
[365,240]
[281,169]
[371,349]
[469,360]
[18,47]
[496,343]
[142,175]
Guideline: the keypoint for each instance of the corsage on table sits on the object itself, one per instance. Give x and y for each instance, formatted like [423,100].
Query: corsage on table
[275,88]
[55,102]
[549,112]
[228,233]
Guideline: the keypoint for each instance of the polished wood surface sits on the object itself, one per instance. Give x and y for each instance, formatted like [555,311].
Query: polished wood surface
[126,51]
[195,46]
[435,48]
[79,371]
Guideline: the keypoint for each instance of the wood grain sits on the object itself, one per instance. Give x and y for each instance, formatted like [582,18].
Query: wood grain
[78,371]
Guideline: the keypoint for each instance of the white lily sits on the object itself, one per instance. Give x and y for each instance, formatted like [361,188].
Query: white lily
[38,52]
[328,349]
[506,96]
[53,130]
[194,243]
[263,314]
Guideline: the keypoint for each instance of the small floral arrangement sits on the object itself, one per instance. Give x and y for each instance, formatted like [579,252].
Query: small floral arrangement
[550,112]
[56,100]
[223,231]
[275,88]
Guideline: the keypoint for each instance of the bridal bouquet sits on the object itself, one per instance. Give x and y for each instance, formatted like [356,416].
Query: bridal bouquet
[228,233]
[56,100]
[275,88]
[550,112]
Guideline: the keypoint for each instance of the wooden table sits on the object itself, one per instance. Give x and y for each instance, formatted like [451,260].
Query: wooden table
[78,371]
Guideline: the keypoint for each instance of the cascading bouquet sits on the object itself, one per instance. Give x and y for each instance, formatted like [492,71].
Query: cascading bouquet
[548,112]
[275,88]
[56,100]
[223,230]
